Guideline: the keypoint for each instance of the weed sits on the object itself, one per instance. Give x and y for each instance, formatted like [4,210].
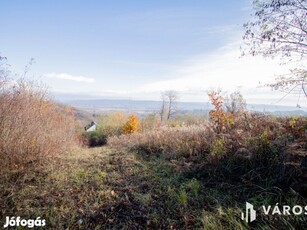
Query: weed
[218,148]
[182,198]
[193,186]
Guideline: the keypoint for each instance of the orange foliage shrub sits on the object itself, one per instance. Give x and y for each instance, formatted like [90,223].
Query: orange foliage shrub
[32,128]
[221,119]
[132,125]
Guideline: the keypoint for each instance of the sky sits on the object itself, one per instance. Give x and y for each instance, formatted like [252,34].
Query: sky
[137,49]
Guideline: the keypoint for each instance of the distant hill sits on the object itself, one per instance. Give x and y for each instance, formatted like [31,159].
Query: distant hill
[84,116]
[132,105]
[141,106]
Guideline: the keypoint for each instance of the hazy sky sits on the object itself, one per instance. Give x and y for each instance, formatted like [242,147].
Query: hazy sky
[136,49]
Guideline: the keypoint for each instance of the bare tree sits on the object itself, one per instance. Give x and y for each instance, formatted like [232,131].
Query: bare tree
[163,107]
[294,82]
[279,28]
[235,103]
[169,104]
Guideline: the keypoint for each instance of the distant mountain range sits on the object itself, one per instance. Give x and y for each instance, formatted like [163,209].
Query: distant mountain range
[142,106]
[132,105]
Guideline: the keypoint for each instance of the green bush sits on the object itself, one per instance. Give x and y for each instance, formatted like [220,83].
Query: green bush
[218,147]
[95,138]
[108,125]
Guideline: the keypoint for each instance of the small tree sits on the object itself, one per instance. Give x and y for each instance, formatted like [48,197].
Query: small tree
[221,119]
[132,125]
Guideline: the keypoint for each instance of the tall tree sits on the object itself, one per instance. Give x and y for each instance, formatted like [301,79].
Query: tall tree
[279,28]
[163,112]
[169,104]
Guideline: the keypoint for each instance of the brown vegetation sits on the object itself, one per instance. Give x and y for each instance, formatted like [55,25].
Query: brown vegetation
[261,139]
[32,128]
[183,174]
[185,140]
[211,169]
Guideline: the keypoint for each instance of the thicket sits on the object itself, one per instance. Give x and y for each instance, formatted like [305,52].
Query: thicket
[32,127]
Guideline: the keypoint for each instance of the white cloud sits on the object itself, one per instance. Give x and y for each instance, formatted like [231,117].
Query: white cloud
[65,76]
[227,70]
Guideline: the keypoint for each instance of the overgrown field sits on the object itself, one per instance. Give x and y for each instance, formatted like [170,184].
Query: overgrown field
[107,188]
[180,173]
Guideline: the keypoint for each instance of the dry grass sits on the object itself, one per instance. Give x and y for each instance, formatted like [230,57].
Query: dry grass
[32,128]
[248,134]
[259,159]
[98,188]
[192,140]
[178,176]
[70,187]
[104,188]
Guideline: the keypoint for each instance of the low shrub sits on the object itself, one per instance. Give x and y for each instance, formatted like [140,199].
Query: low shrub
[132,125]
[111,124]
[150,122]
[297,126]
[218,148]
[108,125]
[95,138]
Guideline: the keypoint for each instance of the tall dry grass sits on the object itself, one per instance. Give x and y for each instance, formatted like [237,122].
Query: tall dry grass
[32,128]
[186,140]
[248,133]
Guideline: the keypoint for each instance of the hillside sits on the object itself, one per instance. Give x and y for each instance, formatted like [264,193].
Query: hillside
[149,115]
[139,106]
[107,188]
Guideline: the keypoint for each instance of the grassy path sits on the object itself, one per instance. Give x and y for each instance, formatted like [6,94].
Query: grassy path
[104,188]
[90,189]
